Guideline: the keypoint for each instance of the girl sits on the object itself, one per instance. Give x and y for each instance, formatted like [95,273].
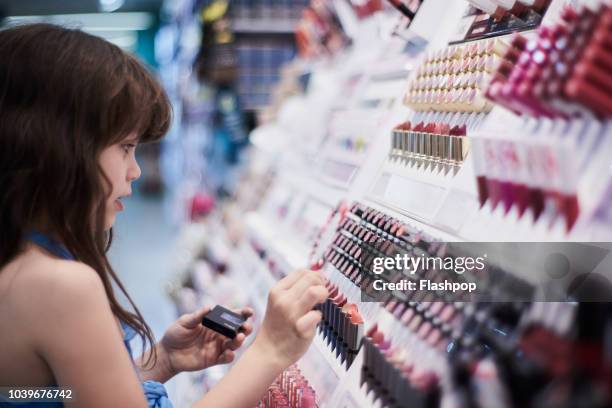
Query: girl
[73,108]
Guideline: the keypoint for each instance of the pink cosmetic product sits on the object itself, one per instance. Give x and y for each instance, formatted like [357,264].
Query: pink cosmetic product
[407,316]
[390,306]
[399,310]
[424,330]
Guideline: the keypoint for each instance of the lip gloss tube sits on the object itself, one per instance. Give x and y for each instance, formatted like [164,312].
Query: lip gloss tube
[514,92]
[493,187]
[588,94]
[593,74]
[602,36]
[597,55]
[569,208]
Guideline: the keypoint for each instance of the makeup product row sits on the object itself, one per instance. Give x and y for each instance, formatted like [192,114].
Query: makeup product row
[365,233]
[500,9]
[289,390]
[490,353]
[488,19]
[341,325]
[429,145]
[406,370]
[389,373]
[357,241]
[565,71]
[434,316]
[485,331]
[555,358]
[452,79]
[527,174]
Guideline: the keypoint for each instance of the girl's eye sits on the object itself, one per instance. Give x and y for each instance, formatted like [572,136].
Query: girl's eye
[127,147]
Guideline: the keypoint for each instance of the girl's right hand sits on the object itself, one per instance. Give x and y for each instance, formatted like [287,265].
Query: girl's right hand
[290,323]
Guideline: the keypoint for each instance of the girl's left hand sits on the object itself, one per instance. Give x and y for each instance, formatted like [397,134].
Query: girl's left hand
[189,346]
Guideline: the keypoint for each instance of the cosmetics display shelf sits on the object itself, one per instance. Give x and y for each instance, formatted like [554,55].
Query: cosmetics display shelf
[449,201]
[410,172]
[354,131]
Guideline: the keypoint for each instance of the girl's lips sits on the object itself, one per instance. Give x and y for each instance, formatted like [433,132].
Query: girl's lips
[118,205]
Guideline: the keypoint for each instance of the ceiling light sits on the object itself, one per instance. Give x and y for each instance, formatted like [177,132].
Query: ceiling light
[110,5]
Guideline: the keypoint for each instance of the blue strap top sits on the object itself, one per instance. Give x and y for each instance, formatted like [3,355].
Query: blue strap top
[155,392]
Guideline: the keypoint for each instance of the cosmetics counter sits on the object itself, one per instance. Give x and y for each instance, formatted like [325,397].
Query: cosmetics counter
[480,121]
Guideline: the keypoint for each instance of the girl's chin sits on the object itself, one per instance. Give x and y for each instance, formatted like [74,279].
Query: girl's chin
[110,221]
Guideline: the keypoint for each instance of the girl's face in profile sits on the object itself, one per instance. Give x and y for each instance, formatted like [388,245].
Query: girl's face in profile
[118,162]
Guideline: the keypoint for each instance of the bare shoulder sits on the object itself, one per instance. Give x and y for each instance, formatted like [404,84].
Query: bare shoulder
[50,301]
[37,282]
[38,271]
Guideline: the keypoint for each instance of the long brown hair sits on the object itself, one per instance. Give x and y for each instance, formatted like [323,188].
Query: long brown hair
[65,96]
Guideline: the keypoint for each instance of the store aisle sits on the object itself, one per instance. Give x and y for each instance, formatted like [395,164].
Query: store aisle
[142,254]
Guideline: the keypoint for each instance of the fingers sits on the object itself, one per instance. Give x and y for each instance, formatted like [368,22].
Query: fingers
[226,357]
[235,343]
[246,312]
[289,280]
[311,297]
[193,320]
[306,325]
[247,328]
[306,281]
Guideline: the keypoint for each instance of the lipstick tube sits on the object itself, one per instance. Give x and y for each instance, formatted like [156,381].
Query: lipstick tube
[588,94]
[597,55]
[593,74]
[427,148]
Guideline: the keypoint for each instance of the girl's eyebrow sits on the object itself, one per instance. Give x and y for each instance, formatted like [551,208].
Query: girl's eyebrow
[133,139]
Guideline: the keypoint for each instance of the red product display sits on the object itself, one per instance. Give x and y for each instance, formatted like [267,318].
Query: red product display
[289,390]
[526,174]
[390,373]
[429,145]
[564,72]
